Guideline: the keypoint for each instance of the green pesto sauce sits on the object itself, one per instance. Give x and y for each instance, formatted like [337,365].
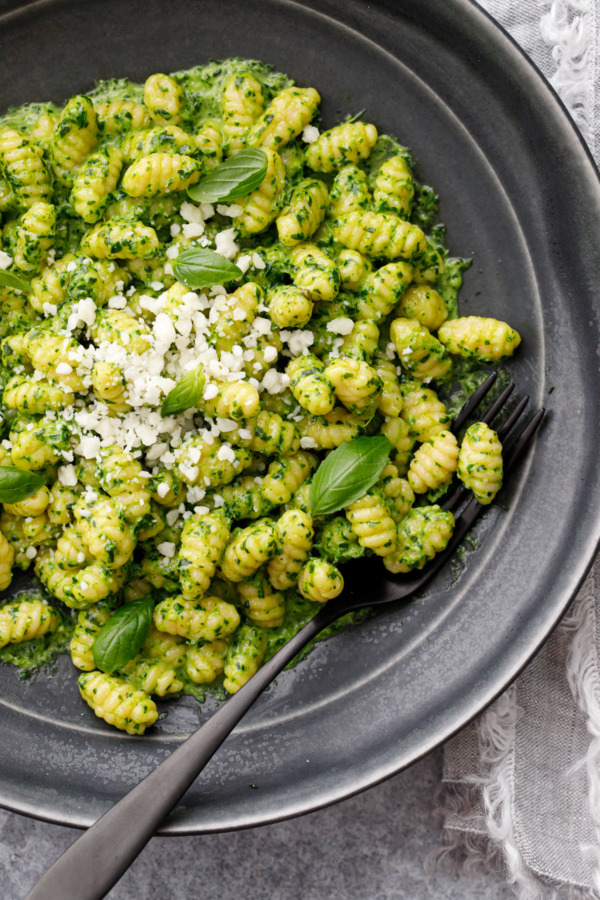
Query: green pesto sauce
[29,656]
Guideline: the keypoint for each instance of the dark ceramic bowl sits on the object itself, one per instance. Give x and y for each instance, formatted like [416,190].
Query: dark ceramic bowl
[520,195]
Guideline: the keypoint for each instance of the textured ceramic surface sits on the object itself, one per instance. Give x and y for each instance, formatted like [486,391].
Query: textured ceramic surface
[518,194]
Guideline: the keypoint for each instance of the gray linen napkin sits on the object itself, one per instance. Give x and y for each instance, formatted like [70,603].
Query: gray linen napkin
[521,785]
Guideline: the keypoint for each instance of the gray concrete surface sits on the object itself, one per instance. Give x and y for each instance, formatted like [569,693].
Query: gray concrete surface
[370,847]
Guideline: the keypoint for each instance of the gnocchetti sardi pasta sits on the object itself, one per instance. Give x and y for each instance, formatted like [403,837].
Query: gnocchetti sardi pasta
[340,323]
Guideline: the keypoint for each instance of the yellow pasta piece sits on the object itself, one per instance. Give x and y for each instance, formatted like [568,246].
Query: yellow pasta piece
[115,701]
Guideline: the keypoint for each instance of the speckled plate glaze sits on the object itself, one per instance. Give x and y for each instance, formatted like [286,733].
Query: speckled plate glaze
[520,195]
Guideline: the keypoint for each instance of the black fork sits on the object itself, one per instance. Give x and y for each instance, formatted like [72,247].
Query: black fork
[96,861]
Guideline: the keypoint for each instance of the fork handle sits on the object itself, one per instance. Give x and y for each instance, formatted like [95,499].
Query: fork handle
[97,859]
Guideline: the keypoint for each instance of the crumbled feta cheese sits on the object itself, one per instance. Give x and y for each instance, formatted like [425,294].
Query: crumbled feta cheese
[218,501]
[201,510]
[341,325]
[239,314]
[243,262]
[88,447]
[270,354]
[191,213]
[162,490]
[172,517]
[226,453]
[172,251]
[167,548]
[49,309]
[175,229]
[31,552]
[261,325]
[156,285]
[310,134]
[164,330]
[274,382]
[71,266]
[81,558]
[257,261]
[190,473]
[5,259]
[64,368]
[208,210]
[225,244]
[210,392]
[308,443]
[117,302]
[193,230]
[298,341]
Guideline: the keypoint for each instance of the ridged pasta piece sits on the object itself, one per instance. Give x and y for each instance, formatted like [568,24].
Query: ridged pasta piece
[394,188]
[475,337]
[202,463]
[203,542]
[332,430]
[171,648]
[236,312]
[160,139]
[25,620]
[62,500]
[12,547]
[285,475]
[120,239]
[262,604]
[337,540]
[160,173]
[294,535]
[110,386]
[40,446]
[424,532]
[229,400]
[115,326]
[419,352]
[423,411]
[434,463]
[244,657]
[163,98]
[424,303]
[304,212]
[398,491]
[48,351]
[105,530]
[119,116]
[349,191]
[379,235]
[372,523]
[314,272]
[74,137]
[356,384]
[78,588]
[115,701]
[35,237]
[267,433]
[209,141]
[310,385]
[381,290]
[242,103]
[95,181]
[153,676]
[28,395]
[289,307]
[361,343]
[206,662]
[89,623]
[320,581]
[205,620]
[480,462]
[119,474]
[248,549]
[260,207]
[391,400]
[24,169]
[95,278]
[343,144]
[289,112]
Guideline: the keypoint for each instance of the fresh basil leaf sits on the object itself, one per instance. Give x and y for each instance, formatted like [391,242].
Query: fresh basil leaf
[17,484]
[185,394]
[123,635]
[234,178]
[9,279]
[198,268]
[348,473]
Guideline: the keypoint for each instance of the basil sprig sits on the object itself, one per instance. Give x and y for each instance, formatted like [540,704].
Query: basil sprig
[348,473]
[17,484]
[185,394]
[234,178]
[199,268]
[11,280]
[123,635]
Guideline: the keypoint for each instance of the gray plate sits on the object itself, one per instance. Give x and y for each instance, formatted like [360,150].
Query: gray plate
[521,196]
